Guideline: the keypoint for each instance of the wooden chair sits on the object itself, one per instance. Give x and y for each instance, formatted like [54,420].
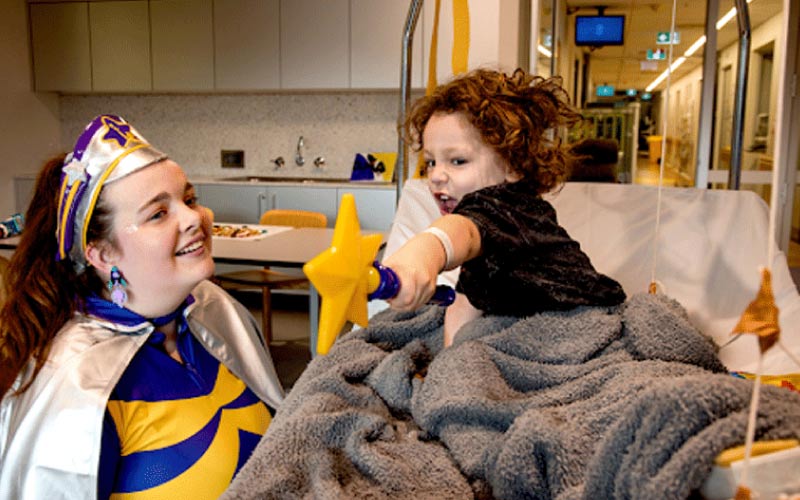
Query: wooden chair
[267,279]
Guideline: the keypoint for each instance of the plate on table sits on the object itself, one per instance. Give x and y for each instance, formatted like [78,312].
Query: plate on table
[245,231]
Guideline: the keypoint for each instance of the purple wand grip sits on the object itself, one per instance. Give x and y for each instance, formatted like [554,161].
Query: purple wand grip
[390,284]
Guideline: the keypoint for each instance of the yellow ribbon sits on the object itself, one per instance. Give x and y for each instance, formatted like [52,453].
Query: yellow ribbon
[460,36]
[459,58]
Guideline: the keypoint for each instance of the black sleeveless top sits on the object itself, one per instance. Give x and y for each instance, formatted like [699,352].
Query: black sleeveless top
[528,263]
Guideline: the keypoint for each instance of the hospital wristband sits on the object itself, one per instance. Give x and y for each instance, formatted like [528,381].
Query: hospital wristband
[444,239]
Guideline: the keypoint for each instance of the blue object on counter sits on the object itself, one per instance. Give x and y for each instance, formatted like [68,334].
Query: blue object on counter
[362,170]
[12,226]
[390,285]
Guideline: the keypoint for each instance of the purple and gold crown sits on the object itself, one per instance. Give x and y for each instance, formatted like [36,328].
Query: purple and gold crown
[107,150]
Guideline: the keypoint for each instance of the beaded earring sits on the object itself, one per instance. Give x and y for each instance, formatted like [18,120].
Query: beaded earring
[116,284]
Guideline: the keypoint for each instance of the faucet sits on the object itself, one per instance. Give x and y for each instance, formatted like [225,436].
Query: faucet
[319,161]
[298,155]
[279,162]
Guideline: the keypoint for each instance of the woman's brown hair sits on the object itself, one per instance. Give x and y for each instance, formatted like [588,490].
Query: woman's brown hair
[42,294]
[512,114]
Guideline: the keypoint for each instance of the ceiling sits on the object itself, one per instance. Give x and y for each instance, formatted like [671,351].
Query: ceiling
[621,66]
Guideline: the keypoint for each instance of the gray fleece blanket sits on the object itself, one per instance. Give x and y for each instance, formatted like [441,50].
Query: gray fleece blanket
[627,402]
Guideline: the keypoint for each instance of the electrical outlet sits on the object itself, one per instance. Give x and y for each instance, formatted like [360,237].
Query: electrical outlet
[232,158]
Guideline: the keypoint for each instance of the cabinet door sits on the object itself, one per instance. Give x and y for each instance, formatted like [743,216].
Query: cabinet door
[183,44]
[120,46]
[233,203]
[247,44]
[317,199]
[484,31]
[375,207]
[23,193]
[376,40]
[60,40]
[315,49]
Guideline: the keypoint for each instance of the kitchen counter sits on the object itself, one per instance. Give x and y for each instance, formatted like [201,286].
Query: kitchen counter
[250,180]
[242,199]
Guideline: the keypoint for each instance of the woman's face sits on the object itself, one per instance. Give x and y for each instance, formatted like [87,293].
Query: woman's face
[163,237]
[457,160]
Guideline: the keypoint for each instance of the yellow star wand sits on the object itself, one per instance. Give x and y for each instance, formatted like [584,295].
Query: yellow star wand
[347,276]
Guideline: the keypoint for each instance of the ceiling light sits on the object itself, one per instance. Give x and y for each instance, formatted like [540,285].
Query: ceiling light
[543,50]
[694,48]
[727,17]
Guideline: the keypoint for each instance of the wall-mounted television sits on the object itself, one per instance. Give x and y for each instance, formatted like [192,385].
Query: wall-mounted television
[598,31]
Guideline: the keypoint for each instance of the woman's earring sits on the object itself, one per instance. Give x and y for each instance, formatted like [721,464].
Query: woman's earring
[116,284]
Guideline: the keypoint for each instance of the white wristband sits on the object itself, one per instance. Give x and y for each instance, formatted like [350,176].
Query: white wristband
[444,239]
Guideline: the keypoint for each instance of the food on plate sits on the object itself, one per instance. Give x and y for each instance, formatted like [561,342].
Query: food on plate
[233,231]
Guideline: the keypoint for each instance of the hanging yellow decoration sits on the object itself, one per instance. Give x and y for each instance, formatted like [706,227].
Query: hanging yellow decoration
[761,316]
[459,58]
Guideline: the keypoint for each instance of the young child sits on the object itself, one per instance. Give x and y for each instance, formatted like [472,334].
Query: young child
[489,158]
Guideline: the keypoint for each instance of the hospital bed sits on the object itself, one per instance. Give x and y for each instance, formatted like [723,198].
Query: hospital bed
[630,403]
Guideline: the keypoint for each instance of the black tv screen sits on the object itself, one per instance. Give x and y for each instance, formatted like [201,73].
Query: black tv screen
[599,30]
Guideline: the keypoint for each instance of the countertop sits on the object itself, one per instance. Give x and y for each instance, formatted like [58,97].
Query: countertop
[249,180]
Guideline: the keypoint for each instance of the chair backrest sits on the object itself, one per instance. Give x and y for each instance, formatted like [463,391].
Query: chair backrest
[596,160]
[294,218]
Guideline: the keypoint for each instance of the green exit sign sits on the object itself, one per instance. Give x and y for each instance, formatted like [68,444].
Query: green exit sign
[656,55]
[662,38]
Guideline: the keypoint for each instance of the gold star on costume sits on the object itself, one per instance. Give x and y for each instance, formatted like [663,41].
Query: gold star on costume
[340,274]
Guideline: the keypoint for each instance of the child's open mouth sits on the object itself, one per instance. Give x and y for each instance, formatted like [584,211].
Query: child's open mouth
[446,203]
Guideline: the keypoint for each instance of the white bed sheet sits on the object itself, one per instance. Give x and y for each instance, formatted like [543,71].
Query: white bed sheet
[710,247]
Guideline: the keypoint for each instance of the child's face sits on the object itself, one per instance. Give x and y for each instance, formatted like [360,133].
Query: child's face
[458,161]
[163,237]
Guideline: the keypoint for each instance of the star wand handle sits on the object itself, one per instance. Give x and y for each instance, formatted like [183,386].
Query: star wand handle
[385,285]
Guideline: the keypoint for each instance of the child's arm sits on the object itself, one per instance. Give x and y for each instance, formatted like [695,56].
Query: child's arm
[423,257]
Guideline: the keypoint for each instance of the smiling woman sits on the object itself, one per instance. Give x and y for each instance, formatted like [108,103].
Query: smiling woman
[124,369]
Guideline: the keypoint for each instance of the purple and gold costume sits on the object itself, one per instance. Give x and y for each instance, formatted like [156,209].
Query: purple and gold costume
[55,449]
[174,429]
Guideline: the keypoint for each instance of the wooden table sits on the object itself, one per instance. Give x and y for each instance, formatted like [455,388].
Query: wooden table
[287,248]
[9,243]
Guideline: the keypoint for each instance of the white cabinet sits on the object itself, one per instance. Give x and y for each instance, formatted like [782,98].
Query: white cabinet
[375,206]
[484,31]
[120,41]
[247,44]
[244,203]
[315,50]
[225,45]
[23,193]
[232,203]
[60,43]
[317,199]
[182,37]
[376,40]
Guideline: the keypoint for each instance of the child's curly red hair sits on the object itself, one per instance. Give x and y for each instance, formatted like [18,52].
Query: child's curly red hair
[511,113]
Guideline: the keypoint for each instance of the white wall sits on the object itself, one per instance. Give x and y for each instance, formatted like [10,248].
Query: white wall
[685,113]
[684,122]
[763,34]
[192,129]
[30,122]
